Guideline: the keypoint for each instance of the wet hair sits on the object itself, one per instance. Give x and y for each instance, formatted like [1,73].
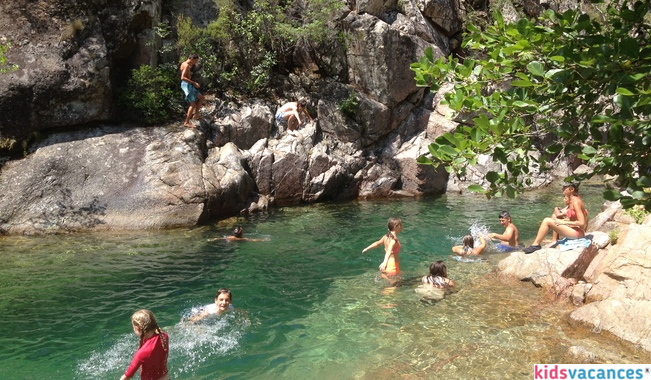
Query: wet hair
[504,215]
[224,291]
[438,268]
[194,56]
[393,223]
[238,232]
[573,185]
[469,241]
[302,103]
[146,321]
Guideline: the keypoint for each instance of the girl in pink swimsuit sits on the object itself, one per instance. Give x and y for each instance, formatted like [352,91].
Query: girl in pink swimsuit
[391,263]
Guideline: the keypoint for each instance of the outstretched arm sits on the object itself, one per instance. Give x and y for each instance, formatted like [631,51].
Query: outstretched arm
[374,245]
[482,246]
[506,236]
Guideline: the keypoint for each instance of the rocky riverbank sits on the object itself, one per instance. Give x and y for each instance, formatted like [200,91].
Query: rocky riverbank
[608,283]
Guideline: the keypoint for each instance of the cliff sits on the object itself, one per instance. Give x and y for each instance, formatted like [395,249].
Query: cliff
[70,167]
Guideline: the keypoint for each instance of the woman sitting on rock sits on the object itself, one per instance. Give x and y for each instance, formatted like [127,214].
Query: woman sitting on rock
[573,226]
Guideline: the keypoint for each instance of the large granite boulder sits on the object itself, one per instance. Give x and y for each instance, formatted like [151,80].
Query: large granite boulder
[550,268]
[610,284]
[107,178]
[66,52]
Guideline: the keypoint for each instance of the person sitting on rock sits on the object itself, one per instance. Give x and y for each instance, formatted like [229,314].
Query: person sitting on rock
[572,227]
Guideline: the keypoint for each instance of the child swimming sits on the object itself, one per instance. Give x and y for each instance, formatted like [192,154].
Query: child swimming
[468,247]
[438,276]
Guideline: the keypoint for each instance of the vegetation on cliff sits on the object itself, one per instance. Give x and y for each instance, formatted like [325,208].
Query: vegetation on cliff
[569,84]
[240,50]
[5,66]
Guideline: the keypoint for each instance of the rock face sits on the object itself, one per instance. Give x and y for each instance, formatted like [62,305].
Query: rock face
[67,54]
[610,285]
[79,172]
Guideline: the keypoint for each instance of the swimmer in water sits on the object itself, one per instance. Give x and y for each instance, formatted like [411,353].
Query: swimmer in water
[151,356]
[223,303]
[510,238]
[238,235]
[438,276]
[468,247]
[391,263]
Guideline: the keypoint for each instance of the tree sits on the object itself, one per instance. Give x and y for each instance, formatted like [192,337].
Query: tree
[582,83]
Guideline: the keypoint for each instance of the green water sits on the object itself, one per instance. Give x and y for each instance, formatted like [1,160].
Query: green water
[315,307]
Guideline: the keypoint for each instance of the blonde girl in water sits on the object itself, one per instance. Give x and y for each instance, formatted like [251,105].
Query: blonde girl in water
[391,263]
[152,350]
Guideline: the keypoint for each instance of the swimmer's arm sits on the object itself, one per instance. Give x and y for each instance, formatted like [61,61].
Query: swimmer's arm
[458,249]
[482,246]
[199,316]
[124,377]
[374,245]
[506,236]
[388,252]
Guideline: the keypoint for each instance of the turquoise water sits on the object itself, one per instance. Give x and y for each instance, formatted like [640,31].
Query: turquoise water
[309,304]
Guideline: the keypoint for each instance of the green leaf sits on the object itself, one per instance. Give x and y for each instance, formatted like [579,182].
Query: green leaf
[492,176]
[643,181]
[612,195]
[624,91]
[588,150]
[521,83]
[638,195]
[424,160]
[510,192]
[603,119]
[536,68]
[476,189]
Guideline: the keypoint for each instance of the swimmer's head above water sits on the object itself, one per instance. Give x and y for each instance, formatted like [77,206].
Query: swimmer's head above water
[438,268]
[223,300]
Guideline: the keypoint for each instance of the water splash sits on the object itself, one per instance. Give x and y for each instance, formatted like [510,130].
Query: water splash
[214,336]
[190,344]
[116,358]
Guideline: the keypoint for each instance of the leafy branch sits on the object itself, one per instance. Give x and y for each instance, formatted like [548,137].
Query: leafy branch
[579,83]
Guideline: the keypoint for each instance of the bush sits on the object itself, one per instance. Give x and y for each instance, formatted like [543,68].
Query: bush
[240,49]
[4,66]
[152,94]
[638,213]
[349,105]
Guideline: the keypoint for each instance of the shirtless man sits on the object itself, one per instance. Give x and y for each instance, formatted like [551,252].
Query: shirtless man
[290,113]
[510,239]
[190,88]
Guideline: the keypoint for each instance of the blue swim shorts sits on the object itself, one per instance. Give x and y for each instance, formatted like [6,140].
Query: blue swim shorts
[280,116]
[191,93]
[507,248]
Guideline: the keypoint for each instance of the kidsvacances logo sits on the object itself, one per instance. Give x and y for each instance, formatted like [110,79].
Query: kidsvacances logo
[591,371]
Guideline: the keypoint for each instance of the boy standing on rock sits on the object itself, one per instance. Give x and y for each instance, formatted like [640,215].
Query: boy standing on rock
[190,88]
